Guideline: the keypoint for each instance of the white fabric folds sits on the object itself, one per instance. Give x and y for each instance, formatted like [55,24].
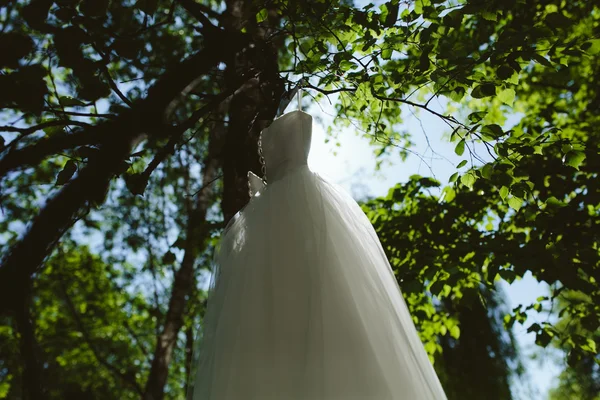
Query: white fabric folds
[305,305]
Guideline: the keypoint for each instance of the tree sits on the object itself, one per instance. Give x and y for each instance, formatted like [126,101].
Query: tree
[438,267]
[579,380]
[82,316]
[484,361]
[113,111]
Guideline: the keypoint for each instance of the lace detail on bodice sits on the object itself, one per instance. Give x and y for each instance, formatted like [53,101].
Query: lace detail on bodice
[286,144]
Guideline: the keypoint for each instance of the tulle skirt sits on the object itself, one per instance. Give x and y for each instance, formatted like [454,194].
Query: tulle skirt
[305,306]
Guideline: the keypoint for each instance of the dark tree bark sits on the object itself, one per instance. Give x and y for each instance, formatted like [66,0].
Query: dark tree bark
[32,379]
[189,355]
[252,109]
[92,181]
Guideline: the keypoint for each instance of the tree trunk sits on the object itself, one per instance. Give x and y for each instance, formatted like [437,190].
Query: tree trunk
[251,110]
[32,369]
[196,234]
[189,356]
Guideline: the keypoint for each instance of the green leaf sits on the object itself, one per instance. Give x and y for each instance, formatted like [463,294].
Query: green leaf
[346,65]
[519,190]
[565,148]
[515,202]
[553,202]
[53,130]
[67,172]
[493,130]
[489,16]
[419,4]
[514,78]
[453,177]
[541,60]
[262,15]
[483,90]
[136,183]
[68,101]
[557,20]
[504,72]
[503,192]
[460,148]
[476,116]
[448,194]
[590,346]
[457,94]
[27,87]
[487,170]
[592,47]
[507,96]
[455,332]
[468,179]
[386,54]
[392,13]
[543,338]
[462,164]
[574,158]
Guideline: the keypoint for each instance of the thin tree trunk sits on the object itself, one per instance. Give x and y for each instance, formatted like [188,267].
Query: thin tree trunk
[30,353]
[189,356]
[196,234]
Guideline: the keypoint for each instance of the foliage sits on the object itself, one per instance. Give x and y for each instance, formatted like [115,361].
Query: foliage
[121,117]
[530,204]
[580,379]
[86,324]
[445,251]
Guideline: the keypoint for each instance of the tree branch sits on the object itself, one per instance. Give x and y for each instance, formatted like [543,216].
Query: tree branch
[91,184]
[115,88]
[43,125]
[169,148]
[197,10]
[35,153]
[147,117]
[79,114]
[447,118]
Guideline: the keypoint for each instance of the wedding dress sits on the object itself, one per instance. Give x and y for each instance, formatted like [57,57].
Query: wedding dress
[304,305]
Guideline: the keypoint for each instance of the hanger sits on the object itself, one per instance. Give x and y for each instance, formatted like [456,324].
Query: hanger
[288,96]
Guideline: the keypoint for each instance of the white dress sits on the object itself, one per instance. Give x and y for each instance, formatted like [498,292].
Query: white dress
[305,305]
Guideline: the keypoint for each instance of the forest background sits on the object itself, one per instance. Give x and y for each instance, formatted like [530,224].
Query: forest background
[128,127]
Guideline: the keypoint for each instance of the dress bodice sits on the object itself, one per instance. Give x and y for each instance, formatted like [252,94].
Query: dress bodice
[286,144]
